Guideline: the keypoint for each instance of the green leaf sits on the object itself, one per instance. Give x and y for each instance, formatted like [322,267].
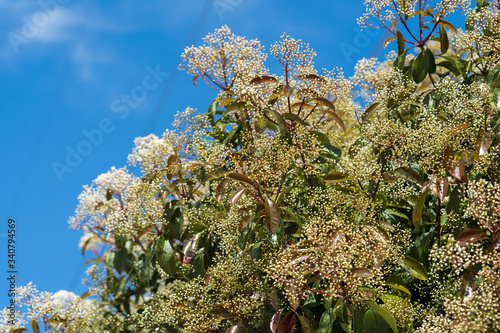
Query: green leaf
[471,236]
[326,321]
[34,326]
[429,62]
[443,39]
[389,41]
[272,214]
[401,42]
[166,256]
[448,25]
[400,61]
[386,316]
[295,118]
[415,268]
[400,288]
[283,128]
[322,138]
[418,209]
[375,323]
[109,194]
[212,109]
[239,177]
[369,112]
[335,177]
[361,272]
[419,70]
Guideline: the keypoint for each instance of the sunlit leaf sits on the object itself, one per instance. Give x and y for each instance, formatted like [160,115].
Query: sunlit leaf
[262,79]
[384,313]
[485,143]
[389,41]
[415,268]
[335,177]
[239,177]
[312,77]
[369,112]
[418,209]
[237,195]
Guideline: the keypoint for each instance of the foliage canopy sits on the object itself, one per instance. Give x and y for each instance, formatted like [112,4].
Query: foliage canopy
[288,207]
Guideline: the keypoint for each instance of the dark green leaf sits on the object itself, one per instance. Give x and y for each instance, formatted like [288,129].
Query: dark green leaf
[326,321]
[401,42]
[307,327]
[443,39]
[375,323]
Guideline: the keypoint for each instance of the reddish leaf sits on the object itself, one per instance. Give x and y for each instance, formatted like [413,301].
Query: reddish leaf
[272,215]
[442,188]
[239,177]
[287,324]
[471,236]
[237,195]
[361,272]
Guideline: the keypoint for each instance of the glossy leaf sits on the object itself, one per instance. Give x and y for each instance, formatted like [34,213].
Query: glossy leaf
[287,324]
[460,128]
[335,177]
[272,214]
[442,188]
[414,267]
[447,25]
[326,321]
[471,236]
[34,326]
[275,320]
[385,314]
[485,143]
[237,195]
[389,41]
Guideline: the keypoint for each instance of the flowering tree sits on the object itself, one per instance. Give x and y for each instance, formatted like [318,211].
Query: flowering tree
[288,207]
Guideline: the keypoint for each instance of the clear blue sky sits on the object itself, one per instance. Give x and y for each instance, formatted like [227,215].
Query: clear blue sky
[64,63]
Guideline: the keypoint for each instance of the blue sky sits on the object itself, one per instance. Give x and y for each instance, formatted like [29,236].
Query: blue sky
[63,65]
